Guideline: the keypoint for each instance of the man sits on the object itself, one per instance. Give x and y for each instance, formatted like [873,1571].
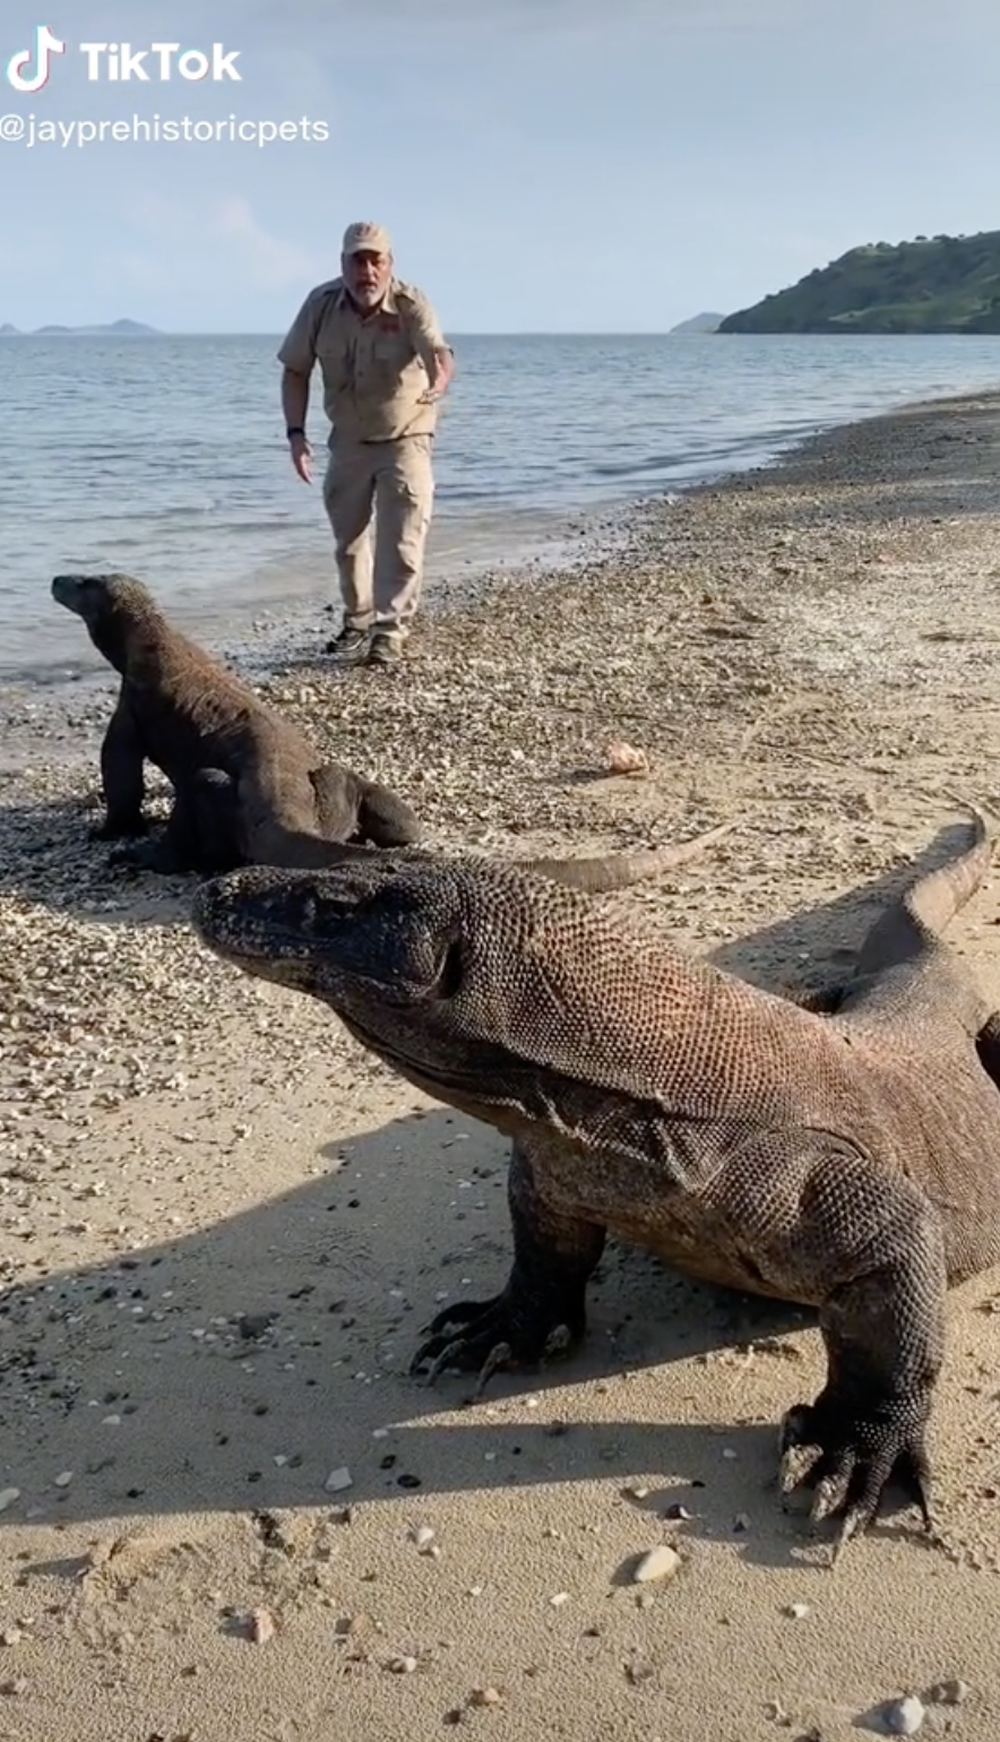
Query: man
[384,365]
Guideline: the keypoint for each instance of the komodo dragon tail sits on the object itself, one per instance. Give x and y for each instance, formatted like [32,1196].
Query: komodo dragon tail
[915,923]
[597,876]
[610,871]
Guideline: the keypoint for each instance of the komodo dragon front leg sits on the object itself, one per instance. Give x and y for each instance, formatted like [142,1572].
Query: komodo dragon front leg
[818,1221]
[542,1310]
[796,1214]
[122,760]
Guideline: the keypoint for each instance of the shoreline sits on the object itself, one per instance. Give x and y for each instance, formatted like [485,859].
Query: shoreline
[560,541]
[66,703]
[812,649]
[547,541]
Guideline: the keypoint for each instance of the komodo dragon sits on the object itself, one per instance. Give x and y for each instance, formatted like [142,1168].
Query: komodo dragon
[249,787]
[849,1162]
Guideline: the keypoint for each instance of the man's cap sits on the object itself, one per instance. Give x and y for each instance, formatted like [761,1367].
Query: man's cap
[373,238]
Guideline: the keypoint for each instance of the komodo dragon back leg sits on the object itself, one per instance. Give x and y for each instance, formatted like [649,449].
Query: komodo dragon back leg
[542,1310]
[202,832]
[356,810]
[278,820]
[610,871]
[385,819]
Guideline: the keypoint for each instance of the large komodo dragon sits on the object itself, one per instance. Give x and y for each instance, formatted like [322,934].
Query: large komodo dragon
[848,1161]
[249,787]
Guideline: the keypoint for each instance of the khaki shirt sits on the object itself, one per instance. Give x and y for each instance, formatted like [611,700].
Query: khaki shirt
[374,370]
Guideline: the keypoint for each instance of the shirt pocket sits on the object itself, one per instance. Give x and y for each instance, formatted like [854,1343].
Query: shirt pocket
[336,358]
[390,352]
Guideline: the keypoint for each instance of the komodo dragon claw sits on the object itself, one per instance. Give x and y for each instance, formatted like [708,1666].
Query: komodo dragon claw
[852,1468]
[496,1339]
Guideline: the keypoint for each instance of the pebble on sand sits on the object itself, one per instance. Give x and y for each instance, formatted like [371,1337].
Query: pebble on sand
[904,1717]
[338,1479]
[949,1693]
[260,1626]
[660,1563]
[488,1696]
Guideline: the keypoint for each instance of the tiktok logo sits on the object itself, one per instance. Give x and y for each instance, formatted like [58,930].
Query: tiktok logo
[46,45]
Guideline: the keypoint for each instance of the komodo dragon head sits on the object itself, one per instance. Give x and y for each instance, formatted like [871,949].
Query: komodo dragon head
[112,606]
[463,974]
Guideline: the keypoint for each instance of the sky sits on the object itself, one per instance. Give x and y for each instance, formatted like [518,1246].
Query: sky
[542,165]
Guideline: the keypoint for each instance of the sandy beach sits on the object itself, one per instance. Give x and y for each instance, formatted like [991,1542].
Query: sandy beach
[224,1224]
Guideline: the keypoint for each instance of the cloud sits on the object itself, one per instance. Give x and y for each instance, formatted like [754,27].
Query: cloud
[182,237]
[271,263]
[175,249]
[142,271]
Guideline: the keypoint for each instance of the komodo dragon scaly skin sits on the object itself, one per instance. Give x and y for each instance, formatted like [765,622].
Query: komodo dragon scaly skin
[249,786]
[849,1162]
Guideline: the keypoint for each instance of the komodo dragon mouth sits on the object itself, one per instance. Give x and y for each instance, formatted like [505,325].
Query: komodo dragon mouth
[438,1080]
[282,955]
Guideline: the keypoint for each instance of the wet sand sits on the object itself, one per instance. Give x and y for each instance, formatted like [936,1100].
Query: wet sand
[224,1224]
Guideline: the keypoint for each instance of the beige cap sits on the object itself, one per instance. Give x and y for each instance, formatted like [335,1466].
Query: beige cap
[366,236]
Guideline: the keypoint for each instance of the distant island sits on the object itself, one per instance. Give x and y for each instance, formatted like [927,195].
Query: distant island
[707,323]
[7,331]
[934,284]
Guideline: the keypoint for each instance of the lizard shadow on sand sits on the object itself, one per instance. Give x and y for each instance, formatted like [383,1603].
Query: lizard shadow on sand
[48,857]
[233,1368]
[243,1361]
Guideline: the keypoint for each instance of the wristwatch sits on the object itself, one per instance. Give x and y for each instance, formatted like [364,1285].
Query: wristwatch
[293,430]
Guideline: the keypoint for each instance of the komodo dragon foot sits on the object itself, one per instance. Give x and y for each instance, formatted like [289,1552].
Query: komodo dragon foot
[156,854]
[849,1456]
[130,829]
[511,1331]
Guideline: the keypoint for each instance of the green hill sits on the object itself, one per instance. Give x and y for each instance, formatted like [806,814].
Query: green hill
[937,284]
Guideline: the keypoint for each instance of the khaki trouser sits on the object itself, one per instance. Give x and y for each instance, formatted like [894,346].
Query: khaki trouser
[396,479]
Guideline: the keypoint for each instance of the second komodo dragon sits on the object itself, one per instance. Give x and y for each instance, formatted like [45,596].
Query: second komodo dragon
[846,1161]
[249,786]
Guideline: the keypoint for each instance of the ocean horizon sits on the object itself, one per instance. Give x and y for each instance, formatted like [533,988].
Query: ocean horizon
[164,454]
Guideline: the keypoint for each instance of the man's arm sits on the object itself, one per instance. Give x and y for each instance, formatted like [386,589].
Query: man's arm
[294,398]
[298,355]
[431,347]
[295,404]
[444,370]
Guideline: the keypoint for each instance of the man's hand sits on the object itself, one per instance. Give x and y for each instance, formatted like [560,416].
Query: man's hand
[301,454]
[443,370]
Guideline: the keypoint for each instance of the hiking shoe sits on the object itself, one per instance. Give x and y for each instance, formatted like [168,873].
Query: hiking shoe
[385,649]
[349,646]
